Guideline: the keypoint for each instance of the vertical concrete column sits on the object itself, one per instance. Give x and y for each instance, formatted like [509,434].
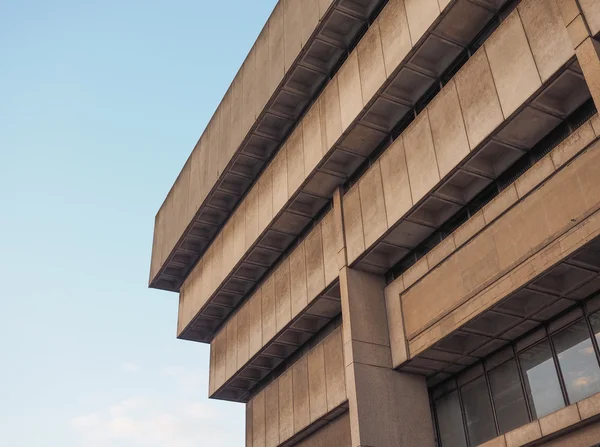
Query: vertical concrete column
[577,16]
[387,408]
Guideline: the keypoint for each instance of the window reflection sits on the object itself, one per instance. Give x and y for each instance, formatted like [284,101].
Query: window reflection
[450,424]
[561,368]
[577,361]
[541,380]
[508,397]
[478,411]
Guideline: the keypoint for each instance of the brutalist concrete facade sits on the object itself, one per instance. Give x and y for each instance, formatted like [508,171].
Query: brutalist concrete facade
[389,232]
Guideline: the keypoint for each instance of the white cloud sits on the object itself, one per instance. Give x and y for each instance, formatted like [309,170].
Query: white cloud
[130,367]
[178,415]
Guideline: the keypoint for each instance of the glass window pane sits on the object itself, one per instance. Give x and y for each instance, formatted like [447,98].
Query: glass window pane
[450,423]
[595,320]
[541,380]
[577,360]
[478,411]
[508,397]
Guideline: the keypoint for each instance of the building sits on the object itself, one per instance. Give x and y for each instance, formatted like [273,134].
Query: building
[389,232]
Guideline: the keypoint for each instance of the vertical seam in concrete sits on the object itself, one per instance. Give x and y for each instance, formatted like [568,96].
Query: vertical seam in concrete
[437,165]
[537,68]
[487,61]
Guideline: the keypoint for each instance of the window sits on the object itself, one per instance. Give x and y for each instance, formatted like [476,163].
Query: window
[507,394]
[541,380]
[449,419]
[478,411]
[554,365]
[577,360]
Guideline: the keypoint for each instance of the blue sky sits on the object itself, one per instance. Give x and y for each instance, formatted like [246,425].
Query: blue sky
[100,105]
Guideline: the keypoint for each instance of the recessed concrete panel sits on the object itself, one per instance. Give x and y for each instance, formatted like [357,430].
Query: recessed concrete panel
[547,35]
[435,55]
[515,74]
[265,199]
[478,99]
[282,294]
[362,140]
[353,225]
[528,128]
[298,291]
[313,138]
[301,396]
[295,160]
[448,129]
[463,22]
[370,62]
[276,47]
[420,157]
[350,93]
[316,382]
[292,30]
[372,205]
[269,310]
[254,306]
[564,95]
[396,187]
[395,35]
[409,85]
[333,117]
[421,15]
[315,274]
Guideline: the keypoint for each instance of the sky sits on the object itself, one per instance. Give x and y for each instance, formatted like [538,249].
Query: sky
[101,103]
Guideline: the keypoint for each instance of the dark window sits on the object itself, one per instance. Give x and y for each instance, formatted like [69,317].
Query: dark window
[478,411]
[577,361]
[450,423]
[507,393]
[541,380]
[595,321]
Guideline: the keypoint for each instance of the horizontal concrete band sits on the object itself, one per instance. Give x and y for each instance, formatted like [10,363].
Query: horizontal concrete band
[509,253]
[496,208]
[512,92]
[301,178]
[300,277]
[556,426]
[295,54]
[312,391]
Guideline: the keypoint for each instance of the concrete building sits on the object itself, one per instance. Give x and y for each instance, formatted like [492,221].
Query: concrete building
[389,232]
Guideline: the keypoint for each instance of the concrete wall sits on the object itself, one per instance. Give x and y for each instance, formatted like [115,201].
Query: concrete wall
[382,51]
[278,45]
[522,54]
[304,393]
[548,223]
